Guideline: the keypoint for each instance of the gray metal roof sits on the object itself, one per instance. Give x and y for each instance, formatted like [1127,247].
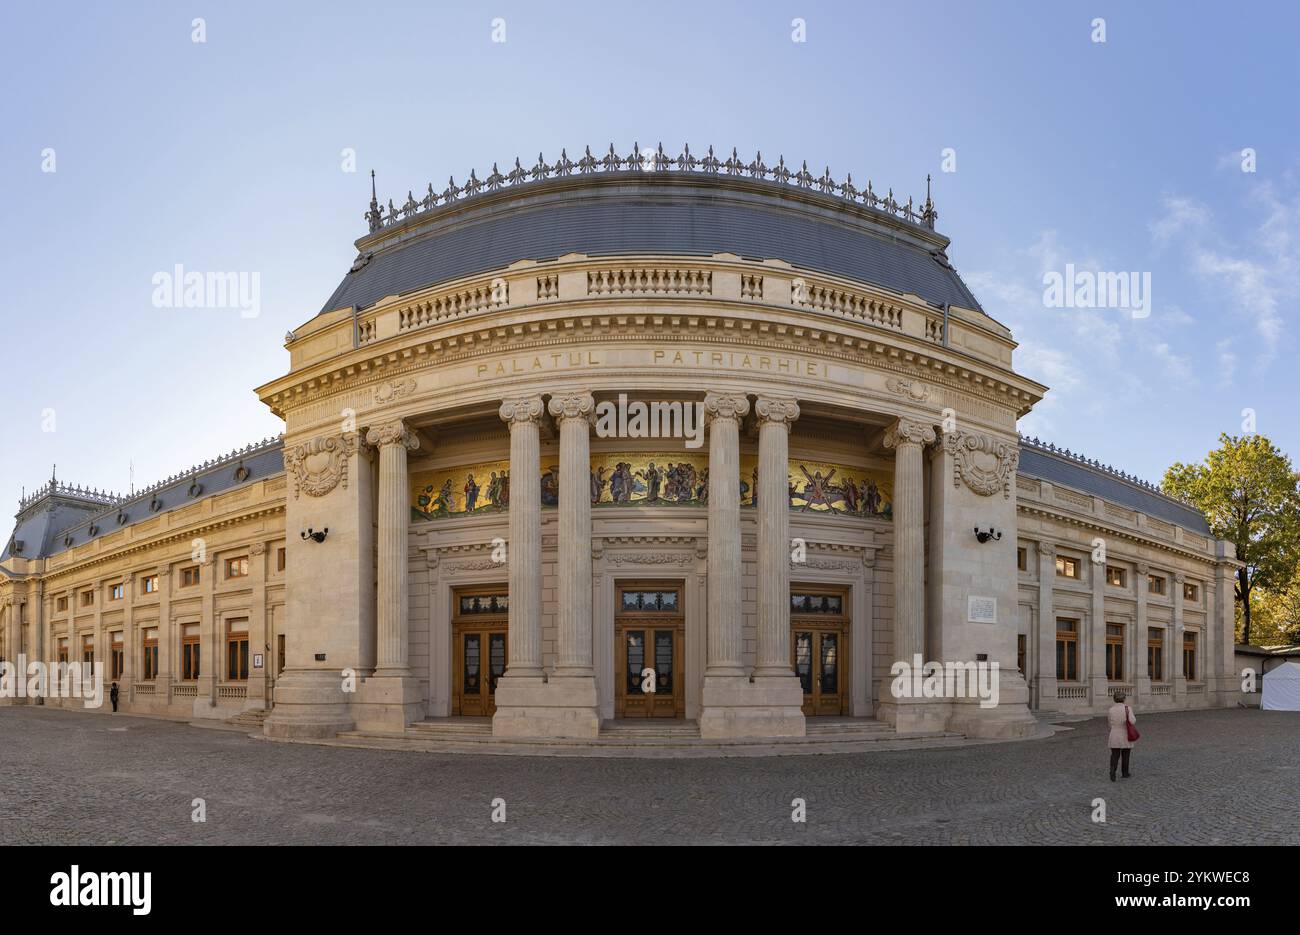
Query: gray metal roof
[48,520]
[1068,472]
[695,215]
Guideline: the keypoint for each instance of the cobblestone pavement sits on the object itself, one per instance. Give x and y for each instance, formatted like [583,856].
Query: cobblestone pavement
[1206,777]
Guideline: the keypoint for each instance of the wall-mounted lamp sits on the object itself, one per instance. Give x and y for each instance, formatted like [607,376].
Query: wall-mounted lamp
[984,535]
[315,536]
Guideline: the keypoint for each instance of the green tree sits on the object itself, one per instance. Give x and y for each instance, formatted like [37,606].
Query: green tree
[1250,496]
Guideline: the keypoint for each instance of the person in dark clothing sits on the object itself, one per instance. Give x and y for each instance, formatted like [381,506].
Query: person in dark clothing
[112,694]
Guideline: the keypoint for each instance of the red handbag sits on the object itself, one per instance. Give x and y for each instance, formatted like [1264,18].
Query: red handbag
[1132,728]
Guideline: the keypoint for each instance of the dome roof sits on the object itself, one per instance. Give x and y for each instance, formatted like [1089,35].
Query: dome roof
[812,223]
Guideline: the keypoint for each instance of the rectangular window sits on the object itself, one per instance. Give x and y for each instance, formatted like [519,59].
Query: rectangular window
[1155,584]
[87,598]
[279,654]
[63,651]
[190,652]
[1189,655]
[1191,593]
[237,651]
[61,603]
[279,559]
[150,584]
[88,650]
[1156,654]
[189,576]
[237,567]
[1116,577]
[1067,650]
[1067,567]
[116,657]
[149,668]
[1022,642]
[116,592]
[1022,559]
[1115,652]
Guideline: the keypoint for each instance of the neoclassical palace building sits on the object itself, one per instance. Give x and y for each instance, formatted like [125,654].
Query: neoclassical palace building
[634,437]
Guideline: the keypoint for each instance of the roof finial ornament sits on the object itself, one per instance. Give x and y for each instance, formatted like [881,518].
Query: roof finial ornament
[928,214]
[374,217]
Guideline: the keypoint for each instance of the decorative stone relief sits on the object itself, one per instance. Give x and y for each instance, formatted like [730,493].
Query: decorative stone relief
[320,465]
[573,405]
[650,558]
[909,432]
[392,433]
[394,389]
[823,564]
[984,463]
[482,564]
[912,389]
[525,409]
[723,406]
[776,409]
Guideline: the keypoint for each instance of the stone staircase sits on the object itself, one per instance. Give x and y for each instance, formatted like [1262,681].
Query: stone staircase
[251,719]
[649,738]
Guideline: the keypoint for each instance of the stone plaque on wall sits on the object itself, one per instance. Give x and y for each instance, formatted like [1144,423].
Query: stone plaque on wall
[982,609]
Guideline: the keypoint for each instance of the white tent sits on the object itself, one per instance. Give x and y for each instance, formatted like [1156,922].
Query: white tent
[1282,688]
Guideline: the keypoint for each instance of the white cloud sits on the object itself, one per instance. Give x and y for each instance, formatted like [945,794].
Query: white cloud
[1181,217]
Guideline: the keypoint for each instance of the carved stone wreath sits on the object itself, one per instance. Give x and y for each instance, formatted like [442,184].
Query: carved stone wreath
[321,464]
[972,455]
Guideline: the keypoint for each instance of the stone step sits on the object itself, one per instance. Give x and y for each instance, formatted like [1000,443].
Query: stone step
[452,726]
[251,718]
[426,735]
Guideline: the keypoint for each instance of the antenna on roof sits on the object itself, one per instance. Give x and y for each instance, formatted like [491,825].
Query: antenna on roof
[131,473]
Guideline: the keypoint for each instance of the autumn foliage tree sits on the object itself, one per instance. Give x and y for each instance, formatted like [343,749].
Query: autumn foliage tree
[1251,497]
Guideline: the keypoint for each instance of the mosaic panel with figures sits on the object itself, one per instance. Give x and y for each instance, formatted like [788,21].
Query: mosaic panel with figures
[471,488]
[652,479]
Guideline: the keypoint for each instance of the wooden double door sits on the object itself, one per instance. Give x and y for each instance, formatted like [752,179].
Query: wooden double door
[649,641]
[819,633]
[478,628]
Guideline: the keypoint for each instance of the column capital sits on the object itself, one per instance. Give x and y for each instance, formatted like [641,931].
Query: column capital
[573,404]
[733,406]
[1143,570]
[1047,549]
[521,410]
[909,432]
[780,410]
[392,433]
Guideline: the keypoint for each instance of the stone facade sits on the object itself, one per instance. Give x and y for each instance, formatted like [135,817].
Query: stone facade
[502,373]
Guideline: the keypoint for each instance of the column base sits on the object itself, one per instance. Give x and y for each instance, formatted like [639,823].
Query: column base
[1009,719]
[733,706]
[387,702]
[915,715]
[531,707]
[310,704]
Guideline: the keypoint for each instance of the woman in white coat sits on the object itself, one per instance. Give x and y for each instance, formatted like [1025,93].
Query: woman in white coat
[1119,717]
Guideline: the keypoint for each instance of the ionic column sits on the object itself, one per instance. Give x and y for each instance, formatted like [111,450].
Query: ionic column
[775,416]
[907,438]
[574,412]
[724,413]
[525,626]
[393,439]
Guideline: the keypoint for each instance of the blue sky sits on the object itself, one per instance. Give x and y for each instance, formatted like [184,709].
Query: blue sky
[226,155]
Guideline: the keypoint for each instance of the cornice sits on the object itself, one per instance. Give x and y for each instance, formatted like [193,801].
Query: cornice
[1030,509]
[735,327]
[171,537]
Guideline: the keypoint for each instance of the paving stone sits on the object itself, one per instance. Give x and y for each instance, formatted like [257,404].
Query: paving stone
[1204,777]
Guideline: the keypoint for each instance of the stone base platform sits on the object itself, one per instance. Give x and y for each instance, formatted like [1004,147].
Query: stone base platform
[650,739]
